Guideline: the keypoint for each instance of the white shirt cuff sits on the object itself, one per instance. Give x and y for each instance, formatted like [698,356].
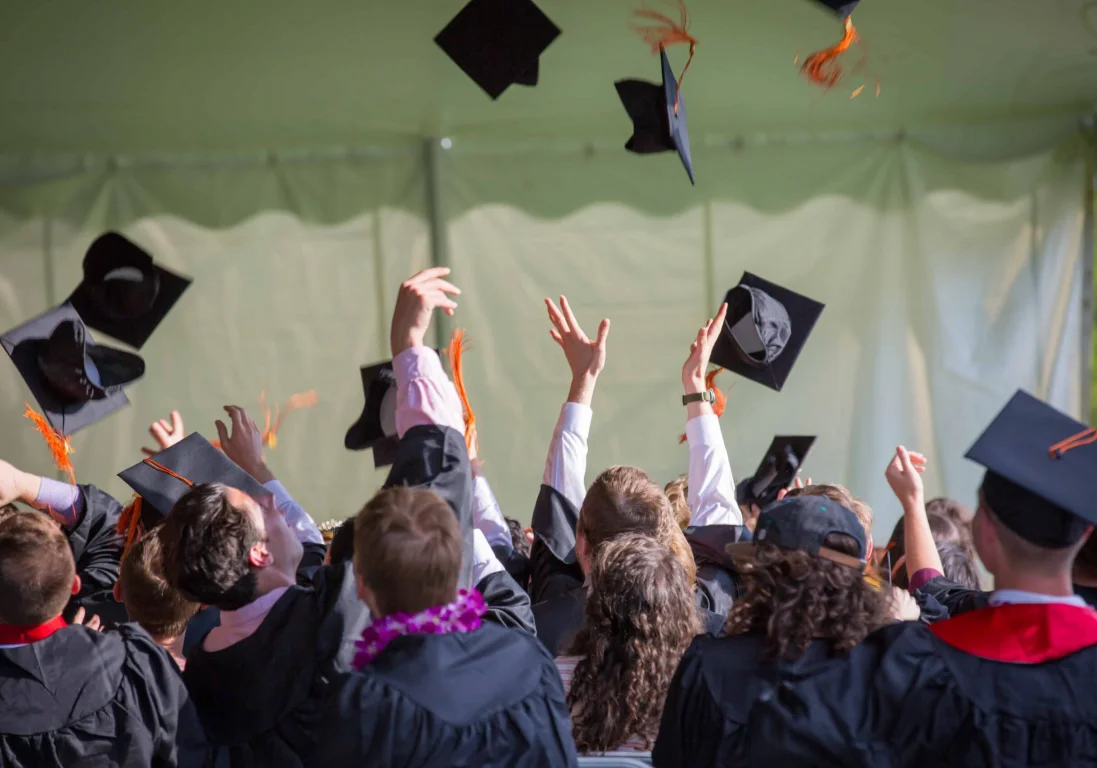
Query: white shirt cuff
[575,417]
[296,517]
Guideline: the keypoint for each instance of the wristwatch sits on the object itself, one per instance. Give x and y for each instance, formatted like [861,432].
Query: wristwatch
[699,397]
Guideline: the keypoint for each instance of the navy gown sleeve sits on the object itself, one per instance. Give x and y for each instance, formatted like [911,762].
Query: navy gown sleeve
[342,617]
[955,598]
[96,544]
[508,604]
[717,581]
[554,570]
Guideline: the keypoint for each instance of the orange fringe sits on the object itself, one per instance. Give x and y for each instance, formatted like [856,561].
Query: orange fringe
[457,346]
[129,523]
[665,32]
[270,430]
[721,402]
[58,444]
[824,67]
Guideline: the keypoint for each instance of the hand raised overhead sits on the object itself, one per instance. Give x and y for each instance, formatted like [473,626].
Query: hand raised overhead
[166,435]
[245,445]
[416,301]
[696,365]
[904,475]
[586,358]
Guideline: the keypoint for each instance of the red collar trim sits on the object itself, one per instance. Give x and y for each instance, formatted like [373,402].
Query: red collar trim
[1028,633]
[10,634]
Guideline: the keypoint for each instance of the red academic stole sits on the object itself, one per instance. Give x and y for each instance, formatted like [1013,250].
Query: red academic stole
[10,634]
[1024,633]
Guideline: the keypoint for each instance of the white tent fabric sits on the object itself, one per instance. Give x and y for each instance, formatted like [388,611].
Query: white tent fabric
[948,285]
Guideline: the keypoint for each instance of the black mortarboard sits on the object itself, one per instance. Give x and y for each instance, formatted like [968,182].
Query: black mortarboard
[765,328]
[376,427]
[778,469]
[194,460]
[842,7]
[125,294]
[655,125]
[76,381]
[497,42]
[1040,470]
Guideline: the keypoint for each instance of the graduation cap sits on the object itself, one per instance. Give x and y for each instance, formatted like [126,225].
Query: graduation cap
[778,469]
[75,381]
[376,427]
[1040,467]
[124,293]
[657,125]
[841,7]
[498,42]
[765,329]
[161,480]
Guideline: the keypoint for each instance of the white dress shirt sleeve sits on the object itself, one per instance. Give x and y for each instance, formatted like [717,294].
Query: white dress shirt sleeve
[711,485]
[487,516]
[566,465]
[296,517]
[484,561]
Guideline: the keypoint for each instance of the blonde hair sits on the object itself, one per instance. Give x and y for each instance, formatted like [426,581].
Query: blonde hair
[677,491]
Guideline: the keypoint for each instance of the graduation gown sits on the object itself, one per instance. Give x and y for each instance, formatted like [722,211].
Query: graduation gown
[97,550]
[82,698]
[999,686]
[489,698]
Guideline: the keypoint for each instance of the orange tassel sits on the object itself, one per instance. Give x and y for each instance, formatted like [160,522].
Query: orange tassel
[129,523]
[721,401]
[58,444]
[665,32]
[270,428]
[457,346]
[824,68]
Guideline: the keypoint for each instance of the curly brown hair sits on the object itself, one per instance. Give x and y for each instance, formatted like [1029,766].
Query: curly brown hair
[793,598]
[640,618]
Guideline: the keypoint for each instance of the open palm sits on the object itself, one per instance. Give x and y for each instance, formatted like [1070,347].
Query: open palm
[586,358]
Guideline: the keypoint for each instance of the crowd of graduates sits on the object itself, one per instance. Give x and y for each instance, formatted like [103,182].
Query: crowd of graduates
[212,623]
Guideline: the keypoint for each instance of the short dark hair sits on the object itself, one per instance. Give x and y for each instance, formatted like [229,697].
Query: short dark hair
[150,601]
[341,549]
[36,568]
[518,540]
[408,549]
[205,542]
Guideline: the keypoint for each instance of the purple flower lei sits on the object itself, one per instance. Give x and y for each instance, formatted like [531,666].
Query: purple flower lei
[462,615]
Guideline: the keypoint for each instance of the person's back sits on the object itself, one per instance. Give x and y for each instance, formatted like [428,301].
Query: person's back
[436,685]
[640,617]
[805,602]
[68,695]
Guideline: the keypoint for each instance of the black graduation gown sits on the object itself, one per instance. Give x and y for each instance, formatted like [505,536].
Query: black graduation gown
[559,619]
[982,689]
[82,698]
[958,599]
[97,550]
[717,581]
[488,698]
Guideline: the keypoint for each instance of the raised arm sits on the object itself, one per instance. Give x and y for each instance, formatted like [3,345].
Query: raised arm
[487,515]
[904,475]
[711,484]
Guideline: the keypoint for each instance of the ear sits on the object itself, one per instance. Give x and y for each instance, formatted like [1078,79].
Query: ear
[117,592]
[259,556]
[365,594]
[582,552]
[76,584]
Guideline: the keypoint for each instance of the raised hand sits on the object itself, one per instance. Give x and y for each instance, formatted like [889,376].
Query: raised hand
[16,485]
[586,358]
[903,606]
[797,484]
[90,622]
[245,444]
[419,296]
[904,475]
[696,365]
[166,435]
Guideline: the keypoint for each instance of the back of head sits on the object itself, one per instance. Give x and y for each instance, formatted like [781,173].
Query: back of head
[677,491]
[37,569]
[625,500]
[793,597]
[205,542]
[951,529]
[640,618]
[407,550]
[341,549]
[840,495]
[149,599]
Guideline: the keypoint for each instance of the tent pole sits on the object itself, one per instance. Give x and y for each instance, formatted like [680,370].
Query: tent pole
[436,221]
[1089,254]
